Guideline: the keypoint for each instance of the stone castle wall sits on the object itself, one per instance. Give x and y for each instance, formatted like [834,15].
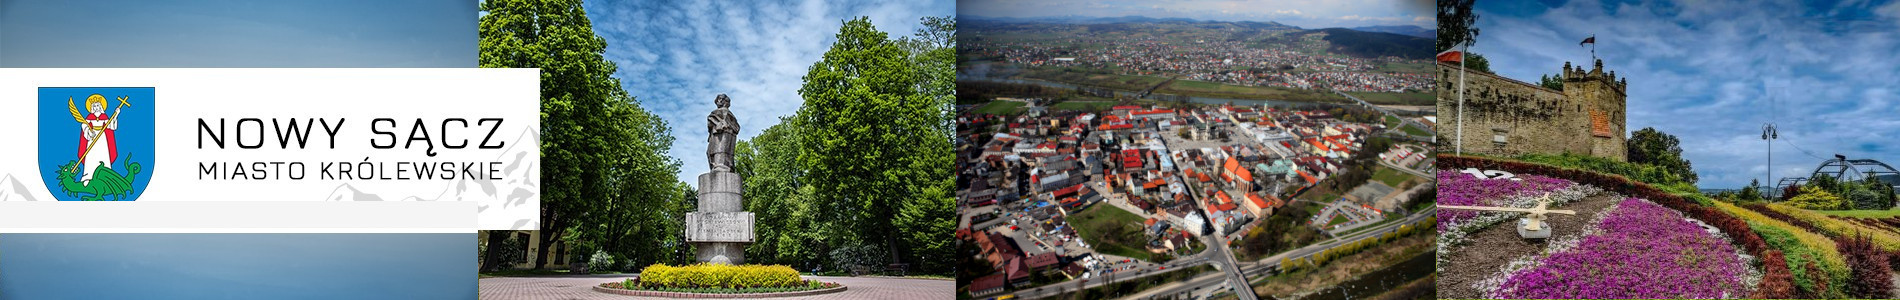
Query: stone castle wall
[1506,117]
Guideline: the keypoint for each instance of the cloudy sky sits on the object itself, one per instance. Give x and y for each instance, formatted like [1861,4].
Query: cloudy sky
[1303,13]
[1712,72]
[675,56]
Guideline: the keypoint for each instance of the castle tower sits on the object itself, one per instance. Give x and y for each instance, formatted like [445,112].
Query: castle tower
[1600,100]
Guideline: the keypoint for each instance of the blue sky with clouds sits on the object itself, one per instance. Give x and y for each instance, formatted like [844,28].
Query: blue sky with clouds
[1303,13]
[1712,72]
[675,56]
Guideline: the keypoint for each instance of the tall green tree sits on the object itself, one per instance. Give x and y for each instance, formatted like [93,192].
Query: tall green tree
[603,157]
[928,218]
[769,163]
[1456,24]
[877,133]
[1653,147]
[1752,192]
[1555,81]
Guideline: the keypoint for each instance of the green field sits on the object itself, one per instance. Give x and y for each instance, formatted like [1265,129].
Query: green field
[1389,176]
[1111,230]
[1315,207]
[1094,77]
[1415,131]
[1391,122]
[1416,98]
[1082,105]
[1107,78]
[1337,218]
[1221,90]
[1001,108]
[1876,214]
[1407,68]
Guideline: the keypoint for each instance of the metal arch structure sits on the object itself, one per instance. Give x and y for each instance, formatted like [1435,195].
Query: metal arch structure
[1775,192]
[1844,169]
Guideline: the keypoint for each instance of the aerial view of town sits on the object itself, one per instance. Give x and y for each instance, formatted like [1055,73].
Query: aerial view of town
[1169,158]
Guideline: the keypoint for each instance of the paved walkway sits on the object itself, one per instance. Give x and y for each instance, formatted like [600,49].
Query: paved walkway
[581,287]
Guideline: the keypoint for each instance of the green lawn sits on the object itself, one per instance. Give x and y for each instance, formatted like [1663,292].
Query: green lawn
[1082,105]
[1391,121]
[1389,176]
[1000,107]
[1412,130]
[1337,218]
[1111,230]
[1318,196]
[1220,90]
[1414,98]
[1314,209]
[1407,68]
[1877,214]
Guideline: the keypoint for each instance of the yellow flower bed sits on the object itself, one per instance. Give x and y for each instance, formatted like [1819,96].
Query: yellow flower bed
[1836,227]
[1820,244]
[1776,233]
[719,276]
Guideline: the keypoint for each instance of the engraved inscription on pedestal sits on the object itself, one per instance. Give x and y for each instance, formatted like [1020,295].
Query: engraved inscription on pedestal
[719,227]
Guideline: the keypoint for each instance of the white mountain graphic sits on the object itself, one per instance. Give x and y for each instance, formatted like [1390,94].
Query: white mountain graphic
[12,190]
[518,190]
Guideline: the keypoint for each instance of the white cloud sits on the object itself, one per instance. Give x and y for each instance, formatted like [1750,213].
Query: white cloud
[675,56]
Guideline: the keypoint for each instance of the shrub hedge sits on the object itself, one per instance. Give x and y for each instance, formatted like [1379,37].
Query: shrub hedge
[1801,251]
[718,276]
[1776,282]
[1871,279]
[1887,240]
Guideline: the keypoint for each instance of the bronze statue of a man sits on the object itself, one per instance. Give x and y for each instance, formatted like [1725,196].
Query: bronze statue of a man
[722,132]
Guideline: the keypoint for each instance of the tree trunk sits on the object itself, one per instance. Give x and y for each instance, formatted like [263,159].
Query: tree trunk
[541,257]
[492,259]
[891,241]
[550,229]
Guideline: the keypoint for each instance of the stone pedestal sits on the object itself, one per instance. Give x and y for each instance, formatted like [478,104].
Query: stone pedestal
[721,228]
[719,192]
[1544,231]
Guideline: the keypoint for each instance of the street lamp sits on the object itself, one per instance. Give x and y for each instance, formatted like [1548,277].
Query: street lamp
[1769,135]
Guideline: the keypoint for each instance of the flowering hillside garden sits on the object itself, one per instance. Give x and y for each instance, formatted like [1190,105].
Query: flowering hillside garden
[1456,188]
[1641,250]
[1625,240]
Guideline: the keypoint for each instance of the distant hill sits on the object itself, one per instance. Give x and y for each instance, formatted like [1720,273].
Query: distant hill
[1376,44]
[1101,20]
[1344,41]
[1401,29]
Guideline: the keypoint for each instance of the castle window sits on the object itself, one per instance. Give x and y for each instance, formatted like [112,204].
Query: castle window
[1499,136]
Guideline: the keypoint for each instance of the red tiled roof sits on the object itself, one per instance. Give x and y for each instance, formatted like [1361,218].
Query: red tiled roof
[1257,202]
[987,283]
[1233,166]
[1042,260]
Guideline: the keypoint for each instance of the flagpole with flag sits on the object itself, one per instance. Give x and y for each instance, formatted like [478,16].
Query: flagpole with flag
[1458,143]
[1592,40]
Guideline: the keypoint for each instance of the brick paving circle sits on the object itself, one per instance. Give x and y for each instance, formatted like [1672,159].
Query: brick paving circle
[581,287]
